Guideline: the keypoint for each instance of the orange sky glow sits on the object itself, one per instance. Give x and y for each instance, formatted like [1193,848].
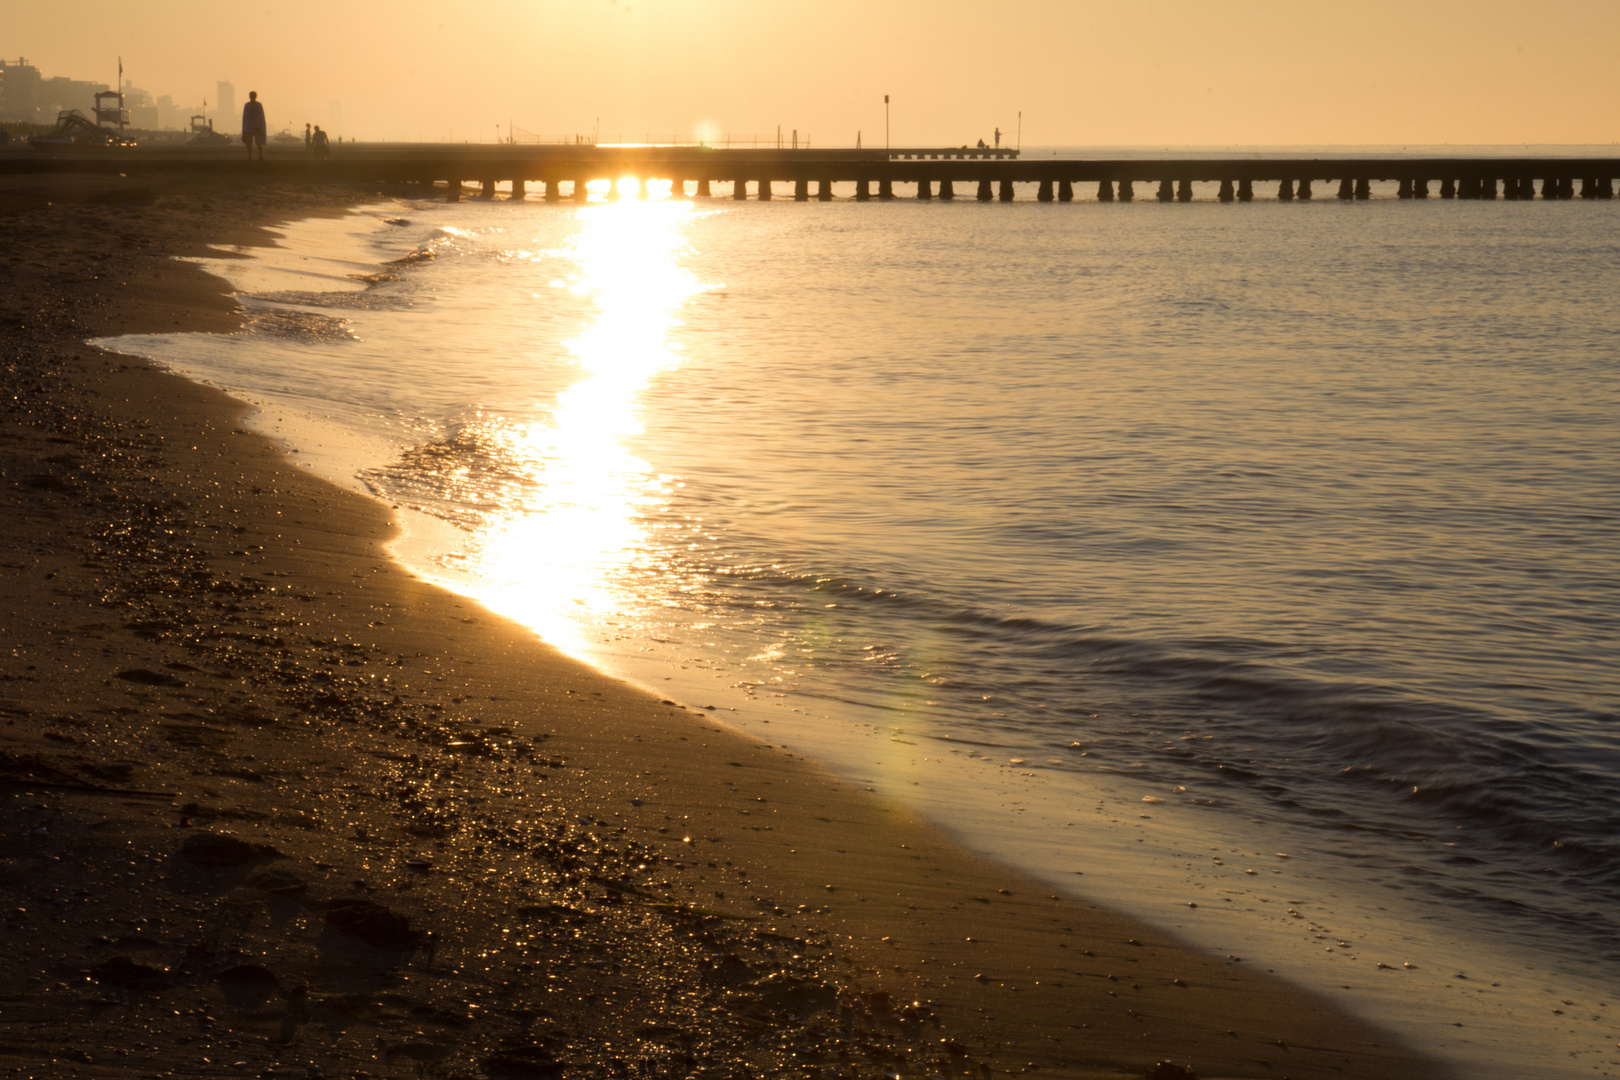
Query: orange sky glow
[1082,73]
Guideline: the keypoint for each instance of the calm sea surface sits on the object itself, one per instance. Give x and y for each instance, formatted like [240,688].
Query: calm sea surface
[1143,546]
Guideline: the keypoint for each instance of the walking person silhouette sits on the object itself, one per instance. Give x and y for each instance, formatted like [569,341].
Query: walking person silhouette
[253,129]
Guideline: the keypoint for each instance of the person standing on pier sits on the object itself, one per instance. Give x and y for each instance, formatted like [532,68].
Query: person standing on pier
[253,128]
[998,138]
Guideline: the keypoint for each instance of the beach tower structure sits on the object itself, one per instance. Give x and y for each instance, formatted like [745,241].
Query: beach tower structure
[110,109]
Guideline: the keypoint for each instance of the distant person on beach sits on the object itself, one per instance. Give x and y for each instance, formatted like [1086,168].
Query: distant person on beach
[309,140]
[253,129]
[320,143]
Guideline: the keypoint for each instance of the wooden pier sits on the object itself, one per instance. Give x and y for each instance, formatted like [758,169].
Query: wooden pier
[564,172]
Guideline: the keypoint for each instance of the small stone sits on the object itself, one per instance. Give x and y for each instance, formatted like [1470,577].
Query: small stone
[279,882]
[148,678]
[373,924]
[127,974]
[218,851]
[1169,1070]
[249,974]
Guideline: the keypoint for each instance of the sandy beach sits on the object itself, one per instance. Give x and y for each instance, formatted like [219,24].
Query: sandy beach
[274,807]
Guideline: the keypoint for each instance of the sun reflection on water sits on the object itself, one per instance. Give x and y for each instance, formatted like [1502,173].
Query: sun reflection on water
[557,557]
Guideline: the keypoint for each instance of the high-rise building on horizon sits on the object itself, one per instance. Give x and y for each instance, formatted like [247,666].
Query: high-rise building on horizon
[225,117]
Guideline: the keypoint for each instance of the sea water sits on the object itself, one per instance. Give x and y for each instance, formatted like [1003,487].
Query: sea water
[1252,568]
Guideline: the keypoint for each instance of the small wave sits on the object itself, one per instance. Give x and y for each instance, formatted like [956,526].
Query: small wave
[292,325]
[420,255]
[1246,722]
[363,300]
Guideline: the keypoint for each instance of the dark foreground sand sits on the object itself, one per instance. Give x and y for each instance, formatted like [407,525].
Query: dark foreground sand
[271,807]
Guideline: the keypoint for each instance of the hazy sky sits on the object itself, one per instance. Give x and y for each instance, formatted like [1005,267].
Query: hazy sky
[1161,72]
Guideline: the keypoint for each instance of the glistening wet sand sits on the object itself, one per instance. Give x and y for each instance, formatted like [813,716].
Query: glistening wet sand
[460,853]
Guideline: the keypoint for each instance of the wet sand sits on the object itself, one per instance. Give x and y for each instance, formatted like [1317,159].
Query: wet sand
[273,807]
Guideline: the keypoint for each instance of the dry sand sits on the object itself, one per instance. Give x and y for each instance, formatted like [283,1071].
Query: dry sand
[269,806]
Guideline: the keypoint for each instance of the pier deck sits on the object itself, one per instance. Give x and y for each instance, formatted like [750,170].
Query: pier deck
[554,172]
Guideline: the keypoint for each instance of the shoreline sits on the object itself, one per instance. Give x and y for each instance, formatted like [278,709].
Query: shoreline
[581,886]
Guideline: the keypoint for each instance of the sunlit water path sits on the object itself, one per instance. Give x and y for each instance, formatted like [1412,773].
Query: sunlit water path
[1252,568]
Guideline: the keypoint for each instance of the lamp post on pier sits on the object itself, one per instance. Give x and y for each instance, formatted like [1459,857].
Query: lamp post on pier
[885,123]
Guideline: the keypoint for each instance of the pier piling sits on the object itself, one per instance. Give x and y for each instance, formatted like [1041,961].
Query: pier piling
[995,173]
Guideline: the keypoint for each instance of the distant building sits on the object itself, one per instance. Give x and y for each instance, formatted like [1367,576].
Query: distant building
[143,110]
[27,95]
[226,116]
